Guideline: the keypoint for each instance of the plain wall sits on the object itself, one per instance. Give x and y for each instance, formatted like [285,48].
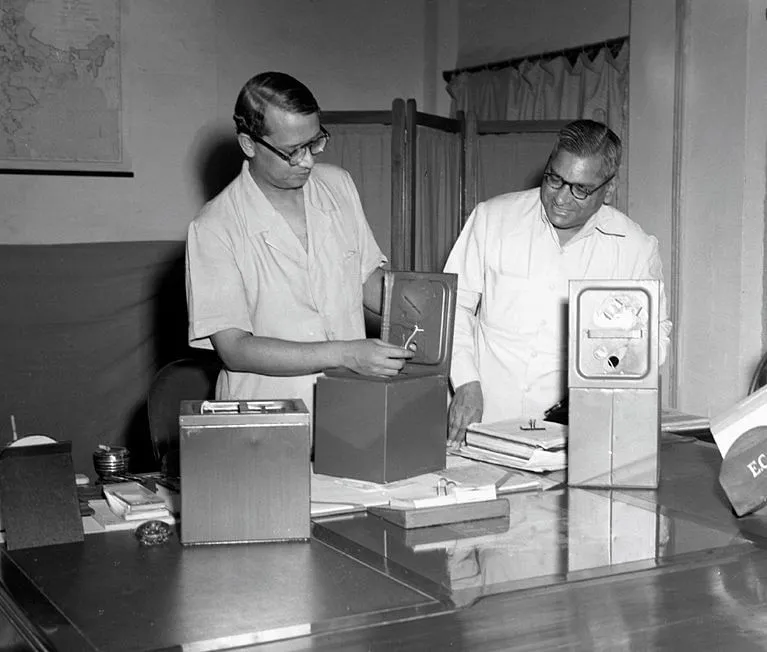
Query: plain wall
[652,60]
[494,30]
[697,180]
[722,201]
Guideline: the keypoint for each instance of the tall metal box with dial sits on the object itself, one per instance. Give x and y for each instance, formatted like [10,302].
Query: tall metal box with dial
[614,403]
[387,429]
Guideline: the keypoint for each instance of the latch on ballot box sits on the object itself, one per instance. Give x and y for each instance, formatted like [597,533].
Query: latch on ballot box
[248,407]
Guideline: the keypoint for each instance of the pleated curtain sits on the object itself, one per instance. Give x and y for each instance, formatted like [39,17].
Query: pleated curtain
[437,197]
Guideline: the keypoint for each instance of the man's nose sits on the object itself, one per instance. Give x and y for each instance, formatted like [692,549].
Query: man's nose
[563,194]
[308,160]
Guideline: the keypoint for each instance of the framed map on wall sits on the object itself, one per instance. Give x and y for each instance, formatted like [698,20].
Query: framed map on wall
[60,85]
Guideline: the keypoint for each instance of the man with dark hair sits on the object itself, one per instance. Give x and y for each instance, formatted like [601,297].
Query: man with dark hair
[280,263]
[514,259]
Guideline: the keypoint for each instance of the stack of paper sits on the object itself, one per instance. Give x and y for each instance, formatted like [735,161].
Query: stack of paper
[528,444]
[104,518]
[132,501]
[331,495]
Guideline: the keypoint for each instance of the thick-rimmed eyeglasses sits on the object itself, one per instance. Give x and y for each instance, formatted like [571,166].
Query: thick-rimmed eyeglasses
[579,191]
[295,156]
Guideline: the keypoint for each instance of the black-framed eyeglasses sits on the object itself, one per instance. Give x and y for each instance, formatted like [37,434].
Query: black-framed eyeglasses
[578,190]
[295,156]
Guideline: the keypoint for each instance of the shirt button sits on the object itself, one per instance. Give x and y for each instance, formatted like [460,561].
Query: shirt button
[534,354]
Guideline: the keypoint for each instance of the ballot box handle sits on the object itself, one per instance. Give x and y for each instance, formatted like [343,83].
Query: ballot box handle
[274,406]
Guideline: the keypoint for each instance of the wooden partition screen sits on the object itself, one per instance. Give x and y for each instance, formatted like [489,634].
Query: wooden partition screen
[406,226]
[439,164]
[420,175]
[362,142]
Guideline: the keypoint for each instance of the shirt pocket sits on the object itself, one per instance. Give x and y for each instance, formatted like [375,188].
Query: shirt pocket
[513,303]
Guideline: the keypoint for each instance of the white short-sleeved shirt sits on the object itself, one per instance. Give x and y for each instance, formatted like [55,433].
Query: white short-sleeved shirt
[510,263]
[246,269]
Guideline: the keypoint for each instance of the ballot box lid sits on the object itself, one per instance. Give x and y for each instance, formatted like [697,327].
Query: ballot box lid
[248,412]
[419,314]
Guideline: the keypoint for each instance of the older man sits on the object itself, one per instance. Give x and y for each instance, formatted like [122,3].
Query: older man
[514,259]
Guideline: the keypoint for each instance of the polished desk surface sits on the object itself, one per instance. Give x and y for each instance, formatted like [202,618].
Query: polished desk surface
[573,569]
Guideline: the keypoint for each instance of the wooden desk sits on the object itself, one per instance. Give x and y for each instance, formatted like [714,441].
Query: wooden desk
[564,574]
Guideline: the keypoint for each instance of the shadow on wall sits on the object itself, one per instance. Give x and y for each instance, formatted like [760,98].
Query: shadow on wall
[166,305]
[216,159]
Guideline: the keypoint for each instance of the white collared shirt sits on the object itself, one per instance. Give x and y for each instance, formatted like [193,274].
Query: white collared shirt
[246,269]
[513,276]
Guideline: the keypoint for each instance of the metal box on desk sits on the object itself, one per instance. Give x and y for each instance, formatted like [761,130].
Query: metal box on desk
[245,471]
[387,429]
[380,430]
[614,434]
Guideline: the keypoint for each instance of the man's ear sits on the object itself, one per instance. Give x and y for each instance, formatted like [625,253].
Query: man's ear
[246,145]
[610,191]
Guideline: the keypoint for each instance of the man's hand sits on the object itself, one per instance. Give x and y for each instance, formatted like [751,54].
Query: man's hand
[465,408]
[374,357]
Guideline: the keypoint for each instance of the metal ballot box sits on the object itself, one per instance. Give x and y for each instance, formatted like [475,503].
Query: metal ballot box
[614,433]
[245,471]
[387,429]
[603,530]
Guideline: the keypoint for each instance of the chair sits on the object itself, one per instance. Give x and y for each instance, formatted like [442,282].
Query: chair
[759,378]
[180,380]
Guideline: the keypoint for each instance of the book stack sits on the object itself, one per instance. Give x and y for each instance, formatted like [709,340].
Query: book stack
[518,443]
[132,501]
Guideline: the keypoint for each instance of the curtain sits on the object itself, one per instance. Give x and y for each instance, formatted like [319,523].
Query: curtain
[364,150]
[553,89]
[437,214]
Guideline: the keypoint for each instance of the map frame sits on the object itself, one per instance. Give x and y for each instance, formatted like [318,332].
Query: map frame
[73,67]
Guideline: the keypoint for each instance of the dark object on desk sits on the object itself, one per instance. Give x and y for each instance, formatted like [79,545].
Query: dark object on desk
[188,379]
[380,430]
[85,508]
[759,377]
[109,460]
[153,533]
[245,474]
[38,496]
[387,429]
[743,474]
[558,413]
[409,518]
